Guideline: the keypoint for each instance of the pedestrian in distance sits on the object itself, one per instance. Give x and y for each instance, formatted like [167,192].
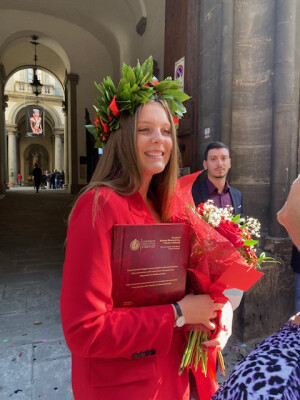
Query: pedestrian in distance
[37,177]
[19,179]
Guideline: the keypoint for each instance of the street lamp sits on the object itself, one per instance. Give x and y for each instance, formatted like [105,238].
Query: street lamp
[35,84]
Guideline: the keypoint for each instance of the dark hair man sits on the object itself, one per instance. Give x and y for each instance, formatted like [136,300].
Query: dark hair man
[217,163]
[37,176]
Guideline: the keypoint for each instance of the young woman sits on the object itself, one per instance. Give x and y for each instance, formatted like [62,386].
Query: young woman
[126,353]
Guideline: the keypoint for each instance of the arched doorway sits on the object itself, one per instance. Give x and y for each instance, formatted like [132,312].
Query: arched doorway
[99,51]
[50,145]
[34,154]
[47,148]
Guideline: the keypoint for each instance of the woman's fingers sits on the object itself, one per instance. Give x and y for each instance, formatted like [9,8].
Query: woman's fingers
[211,343]
[210,325]
[219,341]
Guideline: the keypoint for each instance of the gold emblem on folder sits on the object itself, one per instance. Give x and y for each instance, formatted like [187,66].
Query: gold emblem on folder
[135,245]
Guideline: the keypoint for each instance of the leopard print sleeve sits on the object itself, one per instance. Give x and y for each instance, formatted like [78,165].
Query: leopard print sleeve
[271,371]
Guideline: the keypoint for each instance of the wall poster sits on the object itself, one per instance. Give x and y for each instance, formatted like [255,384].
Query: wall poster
[34,121]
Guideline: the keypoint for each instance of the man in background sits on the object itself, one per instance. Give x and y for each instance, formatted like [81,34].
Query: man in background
[215,186]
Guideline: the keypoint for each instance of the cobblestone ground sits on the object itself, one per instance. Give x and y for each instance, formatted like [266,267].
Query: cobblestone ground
[35,361]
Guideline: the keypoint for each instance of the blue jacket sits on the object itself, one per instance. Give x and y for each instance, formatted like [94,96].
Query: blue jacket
[201,194]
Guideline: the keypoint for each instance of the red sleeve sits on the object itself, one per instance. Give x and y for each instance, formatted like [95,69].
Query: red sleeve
[92,327]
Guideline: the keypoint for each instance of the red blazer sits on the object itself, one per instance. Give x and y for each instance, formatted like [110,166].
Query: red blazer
[117,354]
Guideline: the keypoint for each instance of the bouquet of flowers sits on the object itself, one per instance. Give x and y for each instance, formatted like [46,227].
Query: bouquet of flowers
[222,257]
[239,232]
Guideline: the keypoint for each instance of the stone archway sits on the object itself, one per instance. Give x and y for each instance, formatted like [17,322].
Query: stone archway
[18,140]
[34,153]
[15,83]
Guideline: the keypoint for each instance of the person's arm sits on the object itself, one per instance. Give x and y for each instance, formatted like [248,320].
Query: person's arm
[296,319]
[289,215]
[40,125]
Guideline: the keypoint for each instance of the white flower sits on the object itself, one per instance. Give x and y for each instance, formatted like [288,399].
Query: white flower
[253,226]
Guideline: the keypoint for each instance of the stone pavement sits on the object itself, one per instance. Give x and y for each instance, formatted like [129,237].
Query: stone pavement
[34,359]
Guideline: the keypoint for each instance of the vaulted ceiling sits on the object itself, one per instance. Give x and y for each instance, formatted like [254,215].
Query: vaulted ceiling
[113,23]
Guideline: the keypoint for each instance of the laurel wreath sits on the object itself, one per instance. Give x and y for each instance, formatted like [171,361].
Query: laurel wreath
[137,86]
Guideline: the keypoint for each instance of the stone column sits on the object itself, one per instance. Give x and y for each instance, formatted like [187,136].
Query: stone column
[58,155]
[3,150]
[226,71]
[73,161]
[66,166]
[284,115]
[182,38]
[12,154]
[252,104]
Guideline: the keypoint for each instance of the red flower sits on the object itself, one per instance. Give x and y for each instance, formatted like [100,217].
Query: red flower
[232,232]
[175,120]
[247,234]
[153,83]
[114,107]
[96,122]
[251,254]
[104,126]
[200,208]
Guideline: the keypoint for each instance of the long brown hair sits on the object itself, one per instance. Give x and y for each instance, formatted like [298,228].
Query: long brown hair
[119,168]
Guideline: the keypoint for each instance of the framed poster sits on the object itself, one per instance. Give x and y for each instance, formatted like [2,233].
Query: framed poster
[34,121]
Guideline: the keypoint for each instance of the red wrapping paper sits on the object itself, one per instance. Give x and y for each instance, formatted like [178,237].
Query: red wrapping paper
[214,265]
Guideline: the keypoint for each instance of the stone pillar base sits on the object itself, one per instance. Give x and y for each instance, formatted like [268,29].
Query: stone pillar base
[270,302]
[282,247]
[75,187]
[2,188]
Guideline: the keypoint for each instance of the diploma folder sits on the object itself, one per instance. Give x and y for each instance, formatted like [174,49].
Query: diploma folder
[149,264]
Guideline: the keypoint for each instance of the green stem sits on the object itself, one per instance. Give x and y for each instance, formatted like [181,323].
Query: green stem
[192,347]
[196,335]
[184,357]
[198,351]
[193,353]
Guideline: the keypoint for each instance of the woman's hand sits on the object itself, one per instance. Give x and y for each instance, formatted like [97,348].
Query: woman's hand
[200,309]
[224,328]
